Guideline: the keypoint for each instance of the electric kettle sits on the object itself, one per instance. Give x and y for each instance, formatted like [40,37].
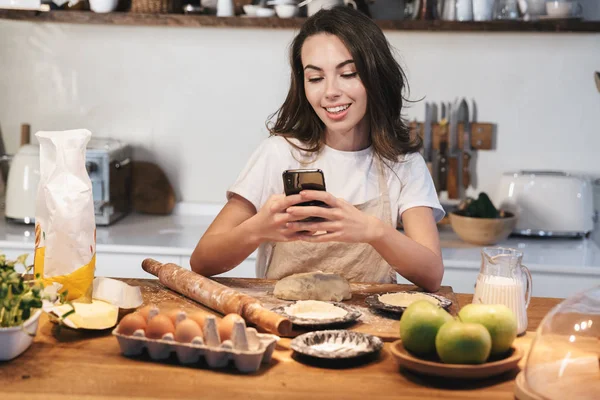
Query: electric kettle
[22,184]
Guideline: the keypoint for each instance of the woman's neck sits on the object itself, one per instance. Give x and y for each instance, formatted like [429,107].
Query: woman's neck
[357,138]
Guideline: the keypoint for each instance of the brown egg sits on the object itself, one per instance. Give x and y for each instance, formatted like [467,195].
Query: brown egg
[159,326]
[226,325]
[172,314]
[199,318]
[131,323]
[187,330]
[144,311]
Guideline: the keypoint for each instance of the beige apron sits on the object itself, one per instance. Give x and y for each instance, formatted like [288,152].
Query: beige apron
[357,262]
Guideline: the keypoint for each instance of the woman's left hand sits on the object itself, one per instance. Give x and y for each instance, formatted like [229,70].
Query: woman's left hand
[343,222]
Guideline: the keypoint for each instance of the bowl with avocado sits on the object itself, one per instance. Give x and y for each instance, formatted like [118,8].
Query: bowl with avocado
[479,222]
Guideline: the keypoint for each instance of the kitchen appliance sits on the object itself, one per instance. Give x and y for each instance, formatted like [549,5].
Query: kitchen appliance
[547,203]
[22,183]
[108,163]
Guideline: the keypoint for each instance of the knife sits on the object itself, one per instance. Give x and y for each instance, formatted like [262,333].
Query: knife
[465,153]
[441,158]
[427,134]
[454,161]
[434,113]
[442,166]
[433,118]
[467,136]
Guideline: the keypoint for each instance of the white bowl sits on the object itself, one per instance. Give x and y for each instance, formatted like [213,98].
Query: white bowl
[560,9]
[15,340]
[250,9]
[265,12]
[286,10]
[103,6]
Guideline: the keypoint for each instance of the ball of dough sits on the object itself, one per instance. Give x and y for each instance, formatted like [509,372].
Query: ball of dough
[313,286]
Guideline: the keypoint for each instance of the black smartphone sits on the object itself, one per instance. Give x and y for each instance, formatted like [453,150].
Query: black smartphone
[297,180]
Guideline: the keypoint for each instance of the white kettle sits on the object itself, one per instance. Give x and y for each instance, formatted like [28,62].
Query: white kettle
[22,184]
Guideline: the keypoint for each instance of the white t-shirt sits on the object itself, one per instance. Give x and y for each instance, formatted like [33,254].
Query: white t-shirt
[351,175]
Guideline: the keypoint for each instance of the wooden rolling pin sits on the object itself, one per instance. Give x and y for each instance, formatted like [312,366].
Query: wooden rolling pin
[216,296]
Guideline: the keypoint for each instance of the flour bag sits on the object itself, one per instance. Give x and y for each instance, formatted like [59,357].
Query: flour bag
[65,225]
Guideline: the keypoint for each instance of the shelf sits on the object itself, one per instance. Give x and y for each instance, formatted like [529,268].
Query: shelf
[128,18]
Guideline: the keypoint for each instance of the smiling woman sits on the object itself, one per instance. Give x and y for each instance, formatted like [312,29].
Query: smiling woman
[334,91]
[342,115]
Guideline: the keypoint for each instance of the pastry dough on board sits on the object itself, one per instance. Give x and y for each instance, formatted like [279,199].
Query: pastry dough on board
[405,299]
[313,286]
[315,309]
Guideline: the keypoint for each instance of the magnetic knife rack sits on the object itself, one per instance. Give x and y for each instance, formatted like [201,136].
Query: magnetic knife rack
[482,138]
[482,134]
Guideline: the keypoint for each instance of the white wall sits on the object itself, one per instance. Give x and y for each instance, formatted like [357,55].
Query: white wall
[195,100]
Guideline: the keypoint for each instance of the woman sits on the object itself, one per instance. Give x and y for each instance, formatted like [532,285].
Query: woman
[341,115]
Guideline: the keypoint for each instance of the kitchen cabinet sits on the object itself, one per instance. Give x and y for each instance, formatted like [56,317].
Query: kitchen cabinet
[559,267]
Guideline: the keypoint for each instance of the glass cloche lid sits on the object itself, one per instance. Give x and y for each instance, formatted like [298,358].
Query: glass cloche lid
[564,359]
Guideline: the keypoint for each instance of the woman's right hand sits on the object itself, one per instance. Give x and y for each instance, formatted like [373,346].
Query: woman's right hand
[270,222]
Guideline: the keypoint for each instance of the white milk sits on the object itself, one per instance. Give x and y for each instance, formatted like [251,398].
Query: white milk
[503,290]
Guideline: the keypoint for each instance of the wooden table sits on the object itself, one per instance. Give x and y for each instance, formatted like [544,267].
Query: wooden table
[66,364]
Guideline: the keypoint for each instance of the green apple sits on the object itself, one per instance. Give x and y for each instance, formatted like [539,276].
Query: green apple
[419,325]
[498,319]
[463,343]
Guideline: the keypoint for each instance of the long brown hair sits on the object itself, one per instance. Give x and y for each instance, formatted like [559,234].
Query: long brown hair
[383,79]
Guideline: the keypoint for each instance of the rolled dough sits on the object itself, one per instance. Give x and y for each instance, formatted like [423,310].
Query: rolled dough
[313,286]
[315,309]
[405,299]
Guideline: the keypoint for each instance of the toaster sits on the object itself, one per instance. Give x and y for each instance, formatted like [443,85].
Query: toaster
[547,203]
[108,163]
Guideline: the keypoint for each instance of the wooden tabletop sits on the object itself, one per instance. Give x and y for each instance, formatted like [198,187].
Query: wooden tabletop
[66,364]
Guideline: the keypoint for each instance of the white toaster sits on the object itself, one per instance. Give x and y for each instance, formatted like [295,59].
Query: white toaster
[547,203]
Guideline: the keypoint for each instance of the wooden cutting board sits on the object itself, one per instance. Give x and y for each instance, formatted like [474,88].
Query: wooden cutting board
[152,193]
[384,325]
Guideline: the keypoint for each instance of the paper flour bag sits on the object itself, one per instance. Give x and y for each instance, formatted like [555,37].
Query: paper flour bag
[65,225]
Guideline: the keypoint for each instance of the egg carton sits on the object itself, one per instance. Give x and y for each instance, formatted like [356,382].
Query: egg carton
[247,348]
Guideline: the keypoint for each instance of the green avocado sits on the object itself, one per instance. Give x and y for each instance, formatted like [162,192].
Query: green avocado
[482,207]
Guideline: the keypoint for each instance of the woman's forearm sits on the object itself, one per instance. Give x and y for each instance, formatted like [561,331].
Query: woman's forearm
[220,252]
[412,260]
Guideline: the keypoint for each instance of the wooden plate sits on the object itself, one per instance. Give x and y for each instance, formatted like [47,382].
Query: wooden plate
[462,371]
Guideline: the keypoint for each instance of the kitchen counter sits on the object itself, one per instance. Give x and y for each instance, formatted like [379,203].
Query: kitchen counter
[135,233]
[67,364]
[178,234]
[560,267]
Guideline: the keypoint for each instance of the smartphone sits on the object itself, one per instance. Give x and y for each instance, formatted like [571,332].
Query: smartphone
[296,180]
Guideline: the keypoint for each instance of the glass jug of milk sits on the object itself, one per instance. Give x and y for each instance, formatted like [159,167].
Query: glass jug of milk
[504,280]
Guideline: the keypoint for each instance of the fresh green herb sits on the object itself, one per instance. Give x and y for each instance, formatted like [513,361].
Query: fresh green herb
[20,296]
